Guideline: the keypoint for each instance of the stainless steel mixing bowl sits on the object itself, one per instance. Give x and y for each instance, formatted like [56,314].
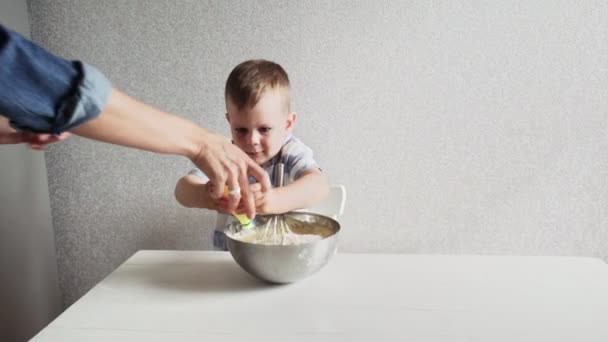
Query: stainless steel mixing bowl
[286,263]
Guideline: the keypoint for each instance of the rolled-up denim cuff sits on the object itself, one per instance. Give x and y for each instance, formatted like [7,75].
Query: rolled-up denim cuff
[87,102]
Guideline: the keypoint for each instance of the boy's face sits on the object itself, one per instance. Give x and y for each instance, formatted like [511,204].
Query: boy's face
[262,130]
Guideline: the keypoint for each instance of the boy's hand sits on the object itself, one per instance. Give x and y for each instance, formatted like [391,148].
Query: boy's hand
[258,195]
[265,201]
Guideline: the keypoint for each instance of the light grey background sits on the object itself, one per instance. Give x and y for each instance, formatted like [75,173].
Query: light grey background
[457,127]
[29,288]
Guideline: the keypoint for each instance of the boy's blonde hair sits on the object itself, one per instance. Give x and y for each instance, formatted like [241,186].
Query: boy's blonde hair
[249,80]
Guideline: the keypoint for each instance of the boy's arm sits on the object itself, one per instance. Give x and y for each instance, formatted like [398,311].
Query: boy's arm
[308,190]
[192,192]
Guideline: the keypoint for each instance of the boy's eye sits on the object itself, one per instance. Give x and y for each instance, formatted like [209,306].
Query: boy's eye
[241,131]
[264,129]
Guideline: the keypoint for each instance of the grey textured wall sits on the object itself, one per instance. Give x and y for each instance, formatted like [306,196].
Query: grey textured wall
[457,127]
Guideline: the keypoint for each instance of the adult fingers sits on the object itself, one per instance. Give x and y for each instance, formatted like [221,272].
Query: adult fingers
[234,182]
[217,175]
[247,194]
[259,174]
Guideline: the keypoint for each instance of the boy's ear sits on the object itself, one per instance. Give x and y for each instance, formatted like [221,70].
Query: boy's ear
[291,121]
[227,117]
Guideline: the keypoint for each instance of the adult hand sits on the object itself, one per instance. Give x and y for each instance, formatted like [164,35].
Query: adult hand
[37,141]
[129,122]
[225,164]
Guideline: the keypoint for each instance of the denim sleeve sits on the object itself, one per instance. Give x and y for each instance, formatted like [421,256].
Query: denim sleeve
[41,92]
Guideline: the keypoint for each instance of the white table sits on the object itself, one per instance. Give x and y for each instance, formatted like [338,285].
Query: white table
[205,296]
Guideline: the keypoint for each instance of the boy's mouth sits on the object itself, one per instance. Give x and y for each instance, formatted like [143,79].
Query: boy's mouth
[253,154]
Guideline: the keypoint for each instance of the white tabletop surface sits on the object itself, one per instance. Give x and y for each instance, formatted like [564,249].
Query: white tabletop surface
[205,296]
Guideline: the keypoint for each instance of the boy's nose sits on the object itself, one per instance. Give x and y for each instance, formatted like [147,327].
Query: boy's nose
[254,138]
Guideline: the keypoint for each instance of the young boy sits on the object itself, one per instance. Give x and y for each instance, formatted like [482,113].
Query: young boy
[257,98]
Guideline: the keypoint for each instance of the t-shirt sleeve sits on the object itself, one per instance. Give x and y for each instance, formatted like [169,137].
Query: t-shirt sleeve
[298,158]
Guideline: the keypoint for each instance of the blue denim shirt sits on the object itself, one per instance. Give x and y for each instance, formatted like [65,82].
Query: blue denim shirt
[41,92]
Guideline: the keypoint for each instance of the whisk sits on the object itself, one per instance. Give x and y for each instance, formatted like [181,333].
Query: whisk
[276,231]
[271,229]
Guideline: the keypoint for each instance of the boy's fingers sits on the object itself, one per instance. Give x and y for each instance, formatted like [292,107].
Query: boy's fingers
[255,187]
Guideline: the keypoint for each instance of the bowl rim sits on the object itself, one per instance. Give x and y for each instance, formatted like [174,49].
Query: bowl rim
[334,235]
